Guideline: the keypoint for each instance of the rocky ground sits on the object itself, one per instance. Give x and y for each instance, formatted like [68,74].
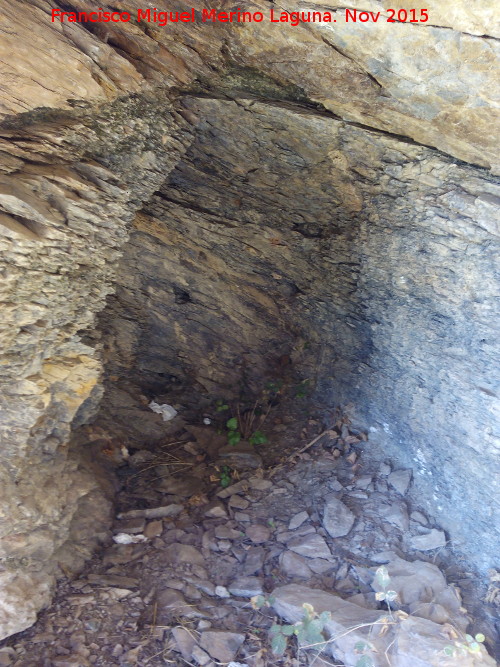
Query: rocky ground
[214,555]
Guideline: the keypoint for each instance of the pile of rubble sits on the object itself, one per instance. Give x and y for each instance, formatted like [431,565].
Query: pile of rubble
[203,573]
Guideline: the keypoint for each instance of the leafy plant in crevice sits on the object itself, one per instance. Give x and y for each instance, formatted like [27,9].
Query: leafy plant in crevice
[302,389]
[459,649]
[220,406]
[308,631]
[471,645]
[257,438]
[364,648]
[225,477]
[383,580]
[233,434]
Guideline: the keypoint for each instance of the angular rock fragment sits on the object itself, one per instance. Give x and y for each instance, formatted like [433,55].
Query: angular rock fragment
[153,529]
[246,587]
[337,518]
[258,533]
[220,645]
[400,480]
[311,546]
[216,510]
[434,539]
[183,553]
[254,560]
[294,565]
[185,642]
[297,520]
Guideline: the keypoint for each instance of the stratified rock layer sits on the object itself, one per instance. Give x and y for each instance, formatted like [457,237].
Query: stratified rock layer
[301,221]
[365,260]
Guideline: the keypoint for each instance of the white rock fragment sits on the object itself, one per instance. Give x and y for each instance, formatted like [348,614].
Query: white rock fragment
[222,592]
[166,411]
[126,538]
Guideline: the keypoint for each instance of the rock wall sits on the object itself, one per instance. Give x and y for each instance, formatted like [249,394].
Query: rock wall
[66,202]
[90,127]
[365,260]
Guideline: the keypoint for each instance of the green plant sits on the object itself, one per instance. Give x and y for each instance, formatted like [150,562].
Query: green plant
[383,580]
[257,438]
[225,477]
[308,631]
[220,406]
[301,389]
[364,648]
[471,645]
[273,386]
[259,601]
[233,434]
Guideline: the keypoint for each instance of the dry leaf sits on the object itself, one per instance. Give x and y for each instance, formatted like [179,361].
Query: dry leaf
[197,500]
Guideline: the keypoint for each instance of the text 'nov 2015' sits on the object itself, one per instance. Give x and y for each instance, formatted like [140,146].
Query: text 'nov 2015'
[191,15]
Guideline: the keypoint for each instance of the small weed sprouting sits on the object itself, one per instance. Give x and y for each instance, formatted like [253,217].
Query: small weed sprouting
[301,390]
[220,406]
[364,648]
[471,645]
[384,581]
[273,387]
[260,601]
[225,477]
[308,631]
[233,434]
[257,438]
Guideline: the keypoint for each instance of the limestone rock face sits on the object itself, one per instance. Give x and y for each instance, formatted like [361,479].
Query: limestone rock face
[64,217]
[377,253]
[271,190]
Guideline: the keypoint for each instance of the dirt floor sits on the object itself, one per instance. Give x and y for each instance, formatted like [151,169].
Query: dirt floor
[216,545]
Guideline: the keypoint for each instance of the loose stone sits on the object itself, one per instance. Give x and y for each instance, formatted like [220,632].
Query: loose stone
[337,518]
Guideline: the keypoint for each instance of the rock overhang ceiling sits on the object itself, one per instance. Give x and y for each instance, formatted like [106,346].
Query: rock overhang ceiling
[433,82]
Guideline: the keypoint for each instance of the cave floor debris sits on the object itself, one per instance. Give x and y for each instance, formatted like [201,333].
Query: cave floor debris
[205,560]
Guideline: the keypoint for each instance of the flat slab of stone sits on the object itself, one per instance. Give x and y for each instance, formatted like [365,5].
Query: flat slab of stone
[288,601]
[298,520]
[434,539]
[294,565]
[337,518]
[154,512]
[220,645]
[183,553]
[400,480]
[258,533]
[254,560]
[311,546]
[185,642]
[246,587]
